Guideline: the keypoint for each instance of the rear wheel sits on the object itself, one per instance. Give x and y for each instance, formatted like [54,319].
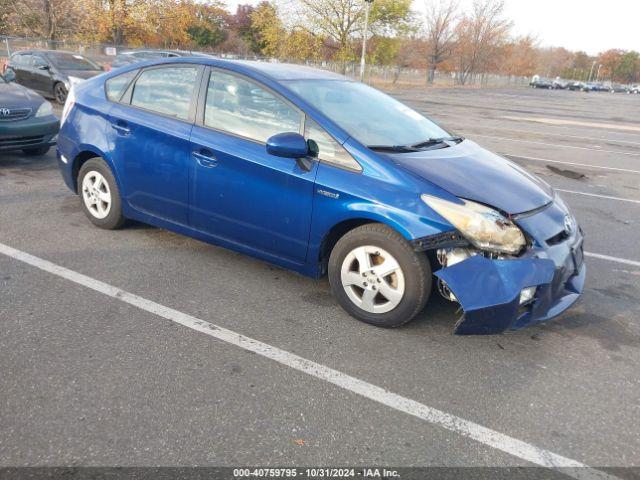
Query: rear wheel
[100,195]
[60,92]
[35,151]
[377,277]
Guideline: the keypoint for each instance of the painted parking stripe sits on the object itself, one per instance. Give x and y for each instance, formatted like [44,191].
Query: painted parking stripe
[577,123]
[547,144]
[633,263]
[536,159]
[608,197]
[466,428]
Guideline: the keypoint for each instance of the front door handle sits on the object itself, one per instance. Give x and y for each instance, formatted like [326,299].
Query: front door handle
[205,158]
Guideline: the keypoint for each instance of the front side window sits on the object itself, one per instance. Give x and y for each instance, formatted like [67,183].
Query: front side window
[39,62]
[241,107]
[114,87]
[166,90]
[326,148]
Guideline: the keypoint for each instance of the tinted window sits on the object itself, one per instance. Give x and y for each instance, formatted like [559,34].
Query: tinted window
[38,61]
[115,86]
[71,61]
[166,90]
[241,107]
[20,60]
[328,150]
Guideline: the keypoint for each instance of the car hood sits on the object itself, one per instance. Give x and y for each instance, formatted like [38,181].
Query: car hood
[13,95]
[471,172]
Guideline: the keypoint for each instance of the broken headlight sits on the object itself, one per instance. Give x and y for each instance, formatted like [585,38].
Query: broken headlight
[484,227]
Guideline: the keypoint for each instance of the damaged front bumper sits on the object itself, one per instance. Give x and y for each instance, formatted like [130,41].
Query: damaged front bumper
[489,291]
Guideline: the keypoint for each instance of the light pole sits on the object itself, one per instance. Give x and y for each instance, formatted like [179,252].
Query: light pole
[598,74]
[367,4]
[591,71]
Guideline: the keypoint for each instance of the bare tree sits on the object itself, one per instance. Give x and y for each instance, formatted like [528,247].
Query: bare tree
[440,19]
[480,37]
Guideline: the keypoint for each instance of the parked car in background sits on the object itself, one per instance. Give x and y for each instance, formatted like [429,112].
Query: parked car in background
[617,88]
[559,84]
[541,83]
[634,89]
[135,56]
[27,121]
[240,154]
[51,72]
[576,86]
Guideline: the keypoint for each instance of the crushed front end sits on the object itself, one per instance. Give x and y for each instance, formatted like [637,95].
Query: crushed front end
[499,292]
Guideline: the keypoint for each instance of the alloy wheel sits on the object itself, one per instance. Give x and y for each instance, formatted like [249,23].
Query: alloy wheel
[96,194]
[372,279]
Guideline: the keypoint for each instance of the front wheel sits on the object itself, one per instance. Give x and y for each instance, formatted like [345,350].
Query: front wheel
[377,277]
[60,93]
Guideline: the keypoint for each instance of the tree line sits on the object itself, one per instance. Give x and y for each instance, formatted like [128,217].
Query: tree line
[465,44]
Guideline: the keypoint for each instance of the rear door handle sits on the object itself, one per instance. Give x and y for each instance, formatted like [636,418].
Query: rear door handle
[205,158]
[121,128]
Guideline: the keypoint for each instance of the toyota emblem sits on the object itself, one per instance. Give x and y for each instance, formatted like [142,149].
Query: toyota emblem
[5,112]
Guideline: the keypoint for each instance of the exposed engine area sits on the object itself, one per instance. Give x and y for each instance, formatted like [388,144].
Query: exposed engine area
[450,256]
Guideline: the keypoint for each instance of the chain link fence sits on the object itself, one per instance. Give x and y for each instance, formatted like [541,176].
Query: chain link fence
[382,75]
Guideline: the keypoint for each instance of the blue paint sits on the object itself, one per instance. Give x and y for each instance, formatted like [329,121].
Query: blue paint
[262,199]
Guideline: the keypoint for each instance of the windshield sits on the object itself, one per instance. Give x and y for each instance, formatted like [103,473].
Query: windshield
[69,61]
[370,116]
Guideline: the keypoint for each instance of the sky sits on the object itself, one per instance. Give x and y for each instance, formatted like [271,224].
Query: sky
[590,25]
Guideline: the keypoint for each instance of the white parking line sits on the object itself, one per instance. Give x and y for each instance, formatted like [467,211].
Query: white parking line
[608,197]
[557,145]
[633,263]
[536,159]
[450,422]
[542,133]
[577,123]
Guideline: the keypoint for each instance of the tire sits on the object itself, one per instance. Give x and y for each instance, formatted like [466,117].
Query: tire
[99,195]
[60,93]
[32,152]
[379,245]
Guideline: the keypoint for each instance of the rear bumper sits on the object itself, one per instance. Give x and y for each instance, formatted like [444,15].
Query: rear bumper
[29,133]
[489,290]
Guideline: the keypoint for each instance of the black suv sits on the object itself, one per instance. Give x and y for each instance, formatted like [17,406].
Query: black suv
[51,72]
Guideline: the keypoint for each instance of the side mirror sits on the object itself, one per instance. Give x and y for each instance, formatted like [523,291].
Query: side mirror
[43,67]
[288,145]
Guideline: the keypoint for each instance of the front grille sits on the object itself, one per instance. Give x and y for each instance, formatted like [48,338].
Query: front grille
[21,142]
[13,114]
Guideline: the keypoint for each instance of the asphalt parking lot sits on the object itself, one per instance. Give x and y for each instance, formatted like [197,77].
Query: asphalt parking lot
[92,379]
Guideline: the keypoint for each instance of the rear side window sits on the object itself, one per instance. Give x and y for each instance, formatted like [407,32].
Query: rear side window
[327,149]
[115,87]
[166,90]
[243,108]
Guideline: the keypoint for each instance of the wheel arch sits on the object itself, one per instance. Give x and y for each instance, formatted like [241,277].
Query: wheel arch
[85,154]
[338,230]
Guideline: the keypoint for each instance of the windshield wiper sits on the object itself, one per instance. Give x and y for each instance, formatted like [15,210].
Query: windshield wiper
[392,148]
[436,141]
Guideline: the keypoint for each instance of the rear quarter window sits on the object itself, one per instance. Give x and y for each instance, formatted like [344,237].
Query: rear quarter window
[115,87]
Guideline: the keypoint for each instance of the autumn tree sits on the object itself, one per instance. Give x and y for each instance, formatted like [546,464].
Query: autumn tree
[480,34]
[341,20]
[440,19]
[267,29]
[48,19]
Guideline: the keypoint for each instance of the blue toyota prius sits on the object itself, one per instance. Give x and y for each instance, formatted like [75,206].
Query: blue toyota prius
[314,172]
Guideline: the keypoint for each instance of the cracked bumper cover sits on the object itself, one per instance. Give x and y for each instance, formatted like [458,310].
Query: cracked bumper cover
[489,290]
